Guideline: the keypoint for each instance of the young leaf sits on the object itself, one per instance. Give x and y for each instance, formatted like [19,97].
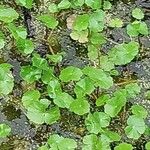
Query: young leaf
[137,13]
[63,100]
[64,4]
[107,5]
[99,77]
[83,87]
[25,3]
[70,74]
[6,79]
[116,22]
[96,4]
[91,142]
[4,130]
[81,22]
[147,146]
[124,146]
[136,127]
[80,106]
[8,15]
[96,121]
[139,111]
[102,100]
[93,52]
[53,8]
[49,21]
[30,73]
[124,53]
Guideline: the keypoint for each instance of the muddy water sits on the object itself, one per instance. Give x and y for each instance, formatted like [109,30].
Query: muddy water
[27,136]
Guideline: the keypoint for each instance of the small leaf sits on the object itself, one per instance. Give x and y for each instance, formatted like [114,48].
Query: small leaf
[137,13]
[107,5]
[147,146]
[102,100]
[49,21]
[81,22]
[147,94]
[80,106]
[4,130]
[94,4]
[96,121]
[70,74]
[53,8]
[124,146]
[116,22]
[64,4]
[8,15]
[139,111]
[25,3]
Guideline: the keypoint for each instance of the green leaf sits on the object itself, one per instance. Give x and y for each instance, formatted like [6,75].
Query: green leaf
[133,89]
[93,52]
[25,3]
[78,3]
[111,136]
[81,22]
[30,97]
[102,100]
[81,36]
[56,58]
[94,4]
[137,13]
[53,8]
[54,88]
[70,74]
[96,21]
[8,15]
[124,146]
[57,142]
[4,130]
[63,100]
[99,77]
[106,64]
[124,53]
[6,79]
[107,5]
[64,4]
[139,111]
[39,62]
[80,106]
[91,142]
[147,146]
[147,94]
[96,121]
[47,75]
[97,38]
[17,32]
[30,73]
[25,46]
[115,104]
[49,21]
[136,127]
[116,22]
[136,28]
[83,87]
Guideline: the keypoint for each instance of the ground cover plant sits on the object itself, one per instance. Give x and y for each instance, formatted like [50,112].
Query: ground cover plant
[78,95]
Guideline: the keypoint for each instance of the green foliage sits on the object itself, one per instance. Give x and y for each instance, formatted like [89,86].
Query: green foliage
[96,4]
[4,130]
[136,28]
[25,3]
[137,13]
[116,22]
[139,111]
[99,77]
[59,143]
[96,121]
[53,8]
[93,52]
[38,109]
[136,127]
[147,94]
[124,146]
[8,15]
[147,146]
[70,74]
[102,100]
[6,79]
[80,106]
[124,53]
[49,21]
[107,5]
[64,4]
[81,22]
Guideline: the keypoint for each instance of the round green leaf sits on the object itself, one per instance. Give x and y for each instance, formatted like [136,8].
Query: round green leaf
[124,146]
[4,130]
[137,13]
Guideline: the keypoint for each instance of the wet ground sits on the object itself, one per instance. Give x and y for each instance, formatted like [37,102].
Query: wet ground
[27,136]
